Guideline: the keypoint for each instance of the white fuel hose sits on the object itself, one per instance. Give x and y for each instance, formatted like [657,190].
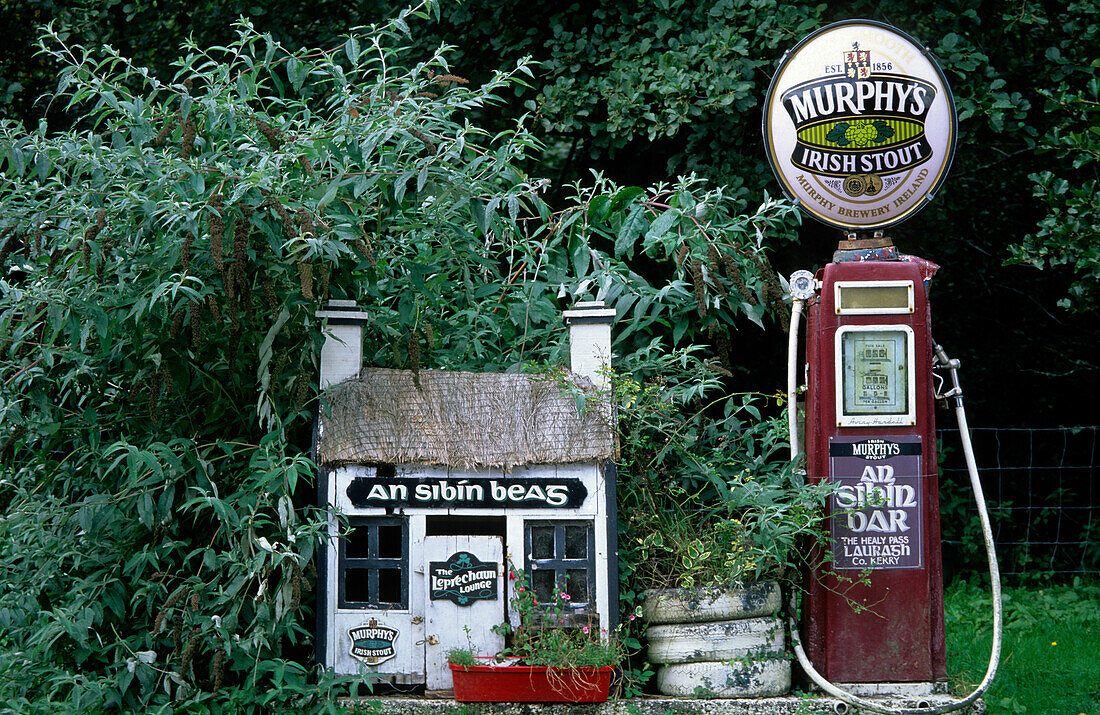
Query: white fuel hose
[792,377]
[983,515]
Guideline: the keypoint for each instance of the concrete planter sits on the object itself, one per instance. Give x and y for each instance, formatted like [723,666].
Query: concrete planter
[718,642]
[715,640]
[734,679]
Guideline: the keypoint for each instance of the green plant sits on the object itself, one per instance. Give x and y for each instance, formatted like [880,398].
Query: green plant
[462,657]
[711,495]
[554,634]
[161,267]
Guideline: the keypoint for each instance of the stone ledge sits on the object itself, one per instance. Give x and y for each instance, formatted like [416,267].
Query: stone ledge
[792,704]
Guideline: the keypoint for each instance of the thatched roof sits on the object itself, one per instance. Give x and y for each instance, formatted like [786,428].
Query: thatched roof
[461,420]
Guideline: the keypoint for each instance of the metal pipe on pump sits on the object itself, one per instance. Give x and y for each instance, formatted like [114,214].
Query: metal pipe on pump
[860,129]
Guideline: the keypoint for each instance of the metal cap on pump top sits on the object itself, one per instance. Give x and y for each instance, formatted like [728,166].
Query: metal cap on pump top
[859,125]
[803,285]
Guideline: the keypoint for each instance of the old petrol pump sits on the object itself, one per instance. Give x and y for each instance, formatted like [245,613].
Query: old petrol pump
[860,129]
[871,430]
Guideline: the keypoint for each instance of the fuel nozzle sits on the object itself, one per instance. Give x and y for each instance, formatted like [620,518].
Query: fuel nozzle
[940,360]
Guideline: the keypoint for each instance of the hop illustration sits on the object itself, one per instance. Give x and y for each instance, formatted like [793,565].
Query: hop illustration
[860,133]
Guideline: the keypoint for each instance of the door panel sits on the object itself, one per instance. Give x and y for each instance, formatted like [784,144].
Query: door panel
[464,599]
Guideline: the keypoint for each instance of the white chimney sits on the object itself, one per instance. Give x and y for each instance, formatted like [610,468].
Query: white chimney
[590,341]
[342,353]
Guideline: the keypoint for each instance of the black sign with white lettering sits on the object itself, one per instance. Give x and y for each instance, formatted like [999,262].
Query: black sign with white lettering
[877,514]
[463,579]
[874,448]
[564,493]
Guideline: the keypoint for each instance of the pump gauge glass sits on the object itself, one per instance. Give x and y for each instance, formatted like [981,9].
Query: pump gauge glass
[874,377]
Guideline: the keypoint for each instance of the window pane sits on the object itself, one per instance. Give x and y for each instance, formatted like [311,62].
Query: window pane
[543,583]
[389,585]
[542,542]
[357,585]
[576,542]
[389,541]
[576,584]
[356,543]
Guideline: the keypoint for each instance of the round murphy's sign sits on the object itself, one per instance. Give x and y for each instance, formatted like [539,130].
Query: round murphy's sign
[859,125]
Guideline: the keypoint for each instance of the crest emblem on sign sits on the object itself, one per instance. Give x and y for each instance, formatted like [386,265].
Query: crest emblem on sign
[857,63]
[373,643]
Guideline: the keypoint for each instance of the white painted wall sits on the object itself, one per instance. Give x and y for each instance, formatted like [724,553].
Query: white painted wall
[410,666]
[342,353]
[590,340]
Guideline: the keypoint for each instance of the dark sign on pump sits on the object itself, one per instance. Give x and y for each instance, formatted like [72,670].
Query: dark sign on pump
[876,511]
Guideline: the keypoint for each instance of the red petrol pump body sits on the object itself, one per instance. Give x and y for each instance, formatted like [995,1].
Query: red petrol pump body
[874,602]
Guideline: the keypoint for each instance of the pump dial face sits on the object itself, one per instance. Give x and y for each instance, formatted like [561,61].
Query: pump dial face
[859,125]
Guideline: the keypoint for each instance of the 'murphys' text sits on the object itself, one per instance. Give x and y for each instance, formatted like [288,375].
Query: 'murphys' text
[822,99]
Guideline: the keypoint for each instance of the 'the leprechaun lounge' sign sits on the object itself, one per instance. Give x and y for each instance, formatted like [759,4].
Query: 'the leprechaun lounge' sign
[860,125]
[463,579]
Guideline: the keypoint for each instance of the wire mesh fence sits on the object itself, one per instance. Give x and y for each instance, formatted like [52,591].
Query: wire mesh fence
[1043,499]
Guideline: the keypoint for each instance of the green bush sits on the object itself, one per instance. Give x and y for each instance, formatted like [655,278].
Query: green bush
[160,267]
[711,499]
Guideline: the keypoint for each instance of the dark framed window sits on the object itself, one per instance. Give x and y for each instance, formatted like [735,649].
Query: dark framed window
[559,557]
[374,563]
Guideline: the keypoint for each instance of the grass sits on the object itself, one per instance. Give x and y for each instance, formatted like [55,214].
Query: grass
[1050,653]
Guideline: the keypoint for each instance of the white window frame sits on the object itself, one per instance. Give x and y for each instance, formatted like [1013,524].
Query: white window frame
[905,419]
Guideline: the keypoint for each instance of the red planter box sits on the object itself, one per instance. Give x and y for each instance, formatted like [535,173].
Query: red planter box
[530,684]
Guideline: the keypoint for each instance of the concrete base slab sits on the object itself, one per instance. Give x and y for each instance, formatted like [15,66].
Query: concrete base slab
[791,704]
[898,690]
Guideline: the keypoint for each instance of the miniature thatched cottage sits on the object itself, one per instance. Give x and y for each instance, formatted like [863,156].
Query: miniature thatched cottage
[446,479]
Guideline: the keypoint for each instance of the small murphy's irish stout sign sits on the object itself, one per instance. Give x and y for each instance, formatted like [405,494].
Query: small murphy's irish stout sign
[373,643]
[859,125]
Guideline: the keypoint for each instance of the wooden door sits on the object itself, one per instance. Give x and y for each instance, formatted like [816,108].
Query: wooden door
[464,600]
